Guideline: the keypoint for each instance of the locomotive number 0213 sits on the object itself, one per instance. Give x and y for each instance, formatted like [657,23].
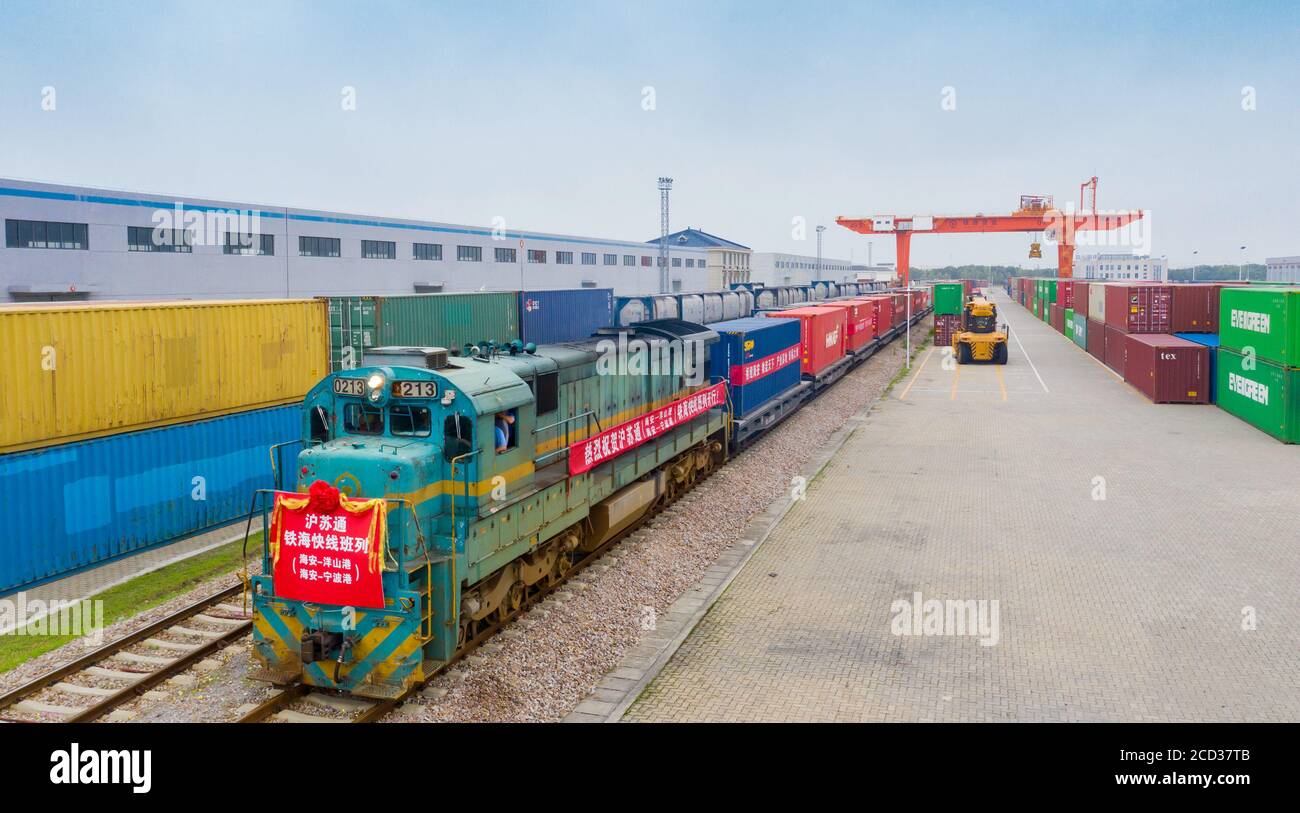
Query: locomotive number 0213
[415,389]
[349,386]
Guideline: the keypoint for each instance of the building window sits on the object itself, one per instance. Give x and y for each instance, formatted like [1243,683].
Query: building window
[426,251]
[588,258]
[506,255]
[249,244]
[318,246]
[677,262]
[469,254]
[677,285]
[690,263]
[611,259]
[378,250]
[629,259]
[645,261]
[538,255]
[44,234]
[564,258]
[147,238]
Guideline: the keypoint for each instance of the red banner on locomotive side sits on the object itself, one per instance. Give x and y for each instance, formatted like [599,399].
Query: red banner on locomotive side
[742,374]
[591,452]
[328,549]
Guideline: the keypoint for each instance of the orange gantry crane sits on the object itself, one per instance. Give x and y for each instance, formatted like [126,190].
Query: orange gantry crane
[1037,213]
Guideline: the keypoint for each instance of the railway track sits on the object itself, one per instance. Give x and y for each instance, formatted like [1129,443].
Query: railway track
[130,674]
[369,710]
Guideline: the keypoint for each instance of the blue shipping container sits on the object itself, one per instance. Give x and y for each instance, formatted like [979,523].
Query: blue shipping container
[564,314]
[1210,340]
[82,504]
[758,357]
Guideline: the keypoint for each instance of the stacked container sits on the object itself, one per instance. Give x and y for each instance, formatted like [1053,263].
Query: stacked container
[1211,342]
[948,298]
[128,425]
[1195,308]
[565,315]
[1167,369]
[1079,332]
[421,320]
[821,335]
[1258,370]
[1139,308]
[758,357]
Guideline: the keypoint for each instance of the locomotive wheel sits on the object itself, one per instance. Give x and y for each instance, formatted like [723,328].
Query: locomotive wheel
[512,602]
[562,565]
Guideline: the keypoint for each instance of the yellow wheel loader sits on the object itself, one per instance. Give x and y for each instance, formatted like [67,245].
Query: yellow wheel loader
[979,340]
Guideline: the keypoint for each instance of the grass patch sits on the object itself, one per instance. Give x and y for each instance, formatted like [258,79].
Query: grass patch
[135,596]
[905,369]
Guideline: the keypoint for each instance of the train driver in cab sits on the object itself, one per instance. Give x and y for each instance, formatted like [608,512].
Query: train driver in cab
[504,422]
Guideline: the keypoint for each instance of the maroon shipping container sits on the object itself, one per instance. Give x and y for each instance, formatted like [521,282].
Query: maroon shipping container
[900,309]
[870,312]
[1115,347]
[1139,308]
[1167,369]
[822,333]
[944,326]
[1097,340]
[1065,293]
[1196,307]
[1057,317]
[1081,297]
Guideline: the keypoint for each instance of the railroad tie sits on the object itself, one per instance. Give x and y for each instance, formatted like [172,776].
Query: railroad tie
[197,633]
[291,716]
[85,691]
[170,646]
[112,674]
[144,660]
[37,707]
[216,619]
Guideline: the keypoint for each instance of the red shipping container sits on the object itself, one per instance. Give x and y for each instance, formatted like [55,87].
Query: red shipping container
[1167,369]
[1057,317]
[859,328]
[1065,293]
[1196,307]
[1115,347]
[822,334]
[871,313]
[1139,308]
[945,324]
[1080,297]
[900,309]
[1097,340]
[884,312]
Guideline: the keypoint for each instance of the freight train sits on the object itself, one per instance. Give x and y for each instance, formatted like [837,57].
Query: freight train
[499,468]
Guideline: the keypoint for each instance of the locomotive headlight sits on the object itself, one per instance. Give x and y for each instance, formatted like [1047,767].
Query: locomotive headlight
[375,381]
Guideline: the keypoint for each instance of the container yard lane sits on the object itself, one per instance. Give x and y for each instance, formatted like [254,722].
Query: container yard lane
[1036,542]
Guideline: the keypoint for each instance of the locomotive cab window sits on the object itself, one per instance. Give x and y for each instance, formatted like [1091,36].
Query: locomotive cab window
[405,421]
[320,430]
[457,436]
[363,419]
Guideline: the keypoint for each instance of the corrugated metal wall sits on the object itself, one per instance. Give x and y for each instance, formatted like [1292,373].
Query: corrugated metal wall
[84,503]
[564,315]
[74,372]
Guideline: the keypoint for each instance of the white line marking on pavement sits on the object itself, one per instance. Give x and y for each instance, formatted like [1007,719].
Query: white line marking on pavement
[1016,336]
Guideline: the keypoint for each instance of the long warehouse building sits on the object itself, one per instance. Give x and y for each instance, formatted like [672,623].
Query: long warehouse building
[75,243]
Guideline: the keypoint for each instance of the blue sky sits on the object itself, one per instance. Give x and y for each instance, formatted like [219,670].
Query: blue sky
[763,112]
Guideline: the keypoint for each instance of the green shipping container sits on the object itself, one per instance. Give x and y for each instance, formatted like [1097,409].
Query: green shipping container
[1266,319]
[1081,330]
[1266,397]
[420,320]
[1068,324]
[947,298]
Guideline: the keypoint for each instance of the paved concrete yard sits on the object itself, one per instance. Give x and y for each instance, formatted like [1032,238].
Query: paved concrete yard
[980,484]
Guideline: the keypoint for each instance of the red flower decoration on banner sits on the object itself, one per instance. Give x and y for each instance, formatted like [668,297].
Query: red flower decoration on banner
[322,498]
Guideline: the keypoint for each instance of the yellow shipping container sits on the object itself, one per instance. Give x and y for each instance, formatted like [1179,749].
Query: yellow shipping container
[70,372]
